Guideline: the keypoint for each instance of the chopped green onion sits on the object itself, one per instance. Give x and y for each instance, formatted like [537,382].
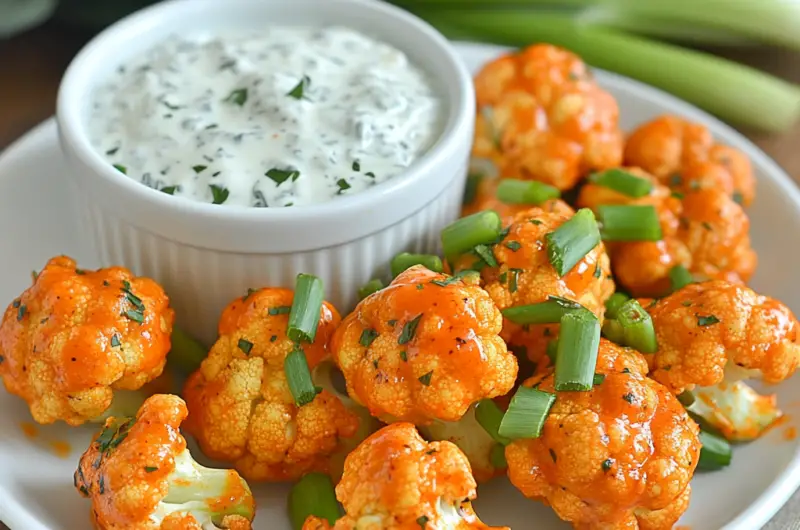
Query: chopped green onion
[490,417]
[679,277]
[571,241]
[298,376]
[512,191]
[186,353]
[578,342]
[612,330]
[466,233]
[686,398]
[526,414]
[405,260]
[371,287]
[637,327]
[614,302]
[715,452]
[313,495]
[547,312]
[628,222]
[306,306]
[623,182]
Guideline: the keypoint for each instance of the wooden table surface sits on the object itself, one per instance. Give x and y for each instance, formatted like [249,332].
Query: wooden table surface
[31,66]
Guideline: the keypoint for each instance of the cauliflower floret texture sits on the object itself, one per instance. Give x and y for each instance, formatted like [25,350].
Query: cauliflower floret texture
[711,335]
[684,156]
[618,456]
[395,480]
[541,116]
[424,348]
[75,338]
[139,476]
[524,275]
[241,409]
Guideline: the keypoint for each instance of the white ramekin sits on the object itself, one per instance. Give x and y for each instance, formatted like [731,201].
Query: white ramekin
[206,255]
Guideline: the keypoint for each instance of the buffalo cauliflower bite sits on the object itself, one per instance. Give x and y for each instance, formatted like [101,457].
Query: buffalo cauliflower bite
[711,336]
[703,230]
[541,116]
[395,480]
[524,275]
[139,475]
[75,339]
[241,409]
[684,156]
[618,456]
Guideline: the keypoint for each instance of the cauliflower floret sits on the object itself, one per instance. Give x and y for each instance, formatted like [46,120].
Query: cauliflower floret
[139,475]
[424,348]
[541,116]
[618,456]
[485,198]
[241,407]
[703,230]
[712,335]
[683,155]
[395,480]
[524,275]
[76,338]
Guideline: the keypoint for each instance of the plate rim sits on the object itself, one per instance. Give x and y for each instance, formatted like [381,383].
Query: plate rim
[771,499]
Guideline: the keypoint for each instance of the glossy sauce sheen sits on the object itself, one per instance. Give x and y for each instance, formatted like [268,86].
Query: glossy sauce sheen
[330,111]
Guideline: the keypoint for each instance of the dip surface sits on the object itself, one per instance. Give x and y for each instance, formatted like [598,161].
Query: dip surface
[289,117]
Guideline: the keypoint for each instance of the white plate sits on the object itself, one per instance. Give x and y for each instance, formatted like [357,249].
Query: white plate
[37,222]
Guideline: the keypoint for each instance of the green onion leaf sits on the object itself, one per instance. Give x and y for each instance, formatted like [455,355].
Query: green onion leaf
[512,191]
[313,495]
[406,260]
[298,376]
[526,414]
[490,417]
[715,452]
[466,233]
[578,343]
[306,306]
[623,182]
[679,277]
[629,222]
[279,176]
[547,312]
[298,92]
[637,327]
[614,302]
[571,241]
[371,287]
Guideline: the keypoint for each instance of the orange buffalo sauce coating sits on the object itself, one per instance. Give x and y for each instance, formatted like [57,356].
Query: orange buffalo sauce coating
[790,434]
[60,448]
[618,456]
[241,409]
[424,348]
[29,429]
[541,116]
[703,230]
[75,336]
[684,156]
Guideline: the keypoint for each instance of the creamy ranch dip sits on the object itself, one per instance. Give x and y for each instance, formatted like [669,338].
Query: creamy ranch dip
[288,117]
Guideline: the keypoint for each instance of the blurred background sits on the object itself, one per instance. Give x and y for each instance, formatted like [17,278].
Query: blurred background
[739,59]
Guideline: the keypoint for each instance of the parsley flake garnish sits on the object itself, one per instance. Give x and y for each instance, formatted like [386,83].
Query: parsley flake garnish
[370,174]
[279,176]
[21,312]
[115,340]
[368,336]
[486,254]
[245,346]
[219,194]
[136,316]
[409,330]
[512,285]
[709,320]
[112,151]
[630,398]
[422,521]
[343,185]
[426,379]
[280,310]
[356,165]
[237,97]
[607,463]
[169,190]
[199,168]
[122,169]
[404,356]
[150,469]
[298,92]
[597,271]
[513,246]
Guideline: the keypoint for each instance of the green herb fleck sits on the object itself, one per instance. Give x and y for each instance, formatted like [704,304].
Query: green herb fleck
[597,271]
[426,379]
[486,254]
[280,310]
[298,92]
[169,190]
[199,168]
[343,185]
[678,195]
[553,455]
[237,97]
[219,194]
[598,379]
[404,356]
[273,338]
[675,180]
[115,340]
[607,463]
[122,169]
[368,336]
[707,320]
[21,312]
[356,165]
[512,284]
[738,198]
[707,226]
[630,398]
[422,521]
[150,469]
[245,346]
[136,316]
[536,222]
[16,303]
[279,176]
[112,151]
[392,323]
[409,330]
[513,246]
[101,485]
[250,291]
[370,174]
